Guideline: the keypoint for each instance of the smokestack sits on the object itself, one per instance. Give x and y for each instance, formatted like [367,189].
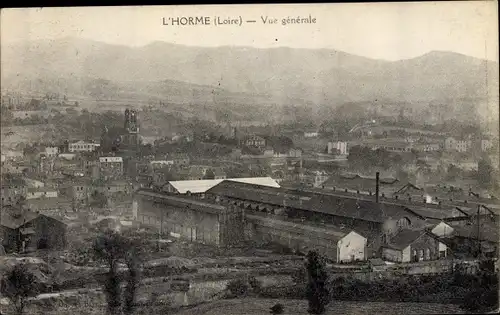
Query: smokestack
[377,183]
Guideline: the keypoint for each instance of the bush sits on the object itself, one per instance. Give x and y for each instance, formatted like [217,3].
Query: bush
[277,309]
[238,287]
[254,284]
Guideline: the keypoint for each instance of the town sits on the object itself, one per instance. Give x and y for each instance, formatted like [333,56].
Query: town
[423,213]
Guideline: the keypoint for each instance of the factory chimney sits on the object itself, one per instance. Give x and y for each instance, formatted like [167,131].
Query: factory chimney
[377,184]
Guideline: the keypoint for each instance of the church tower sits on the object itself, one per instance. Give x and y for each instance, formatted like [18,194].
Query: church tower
[131,136]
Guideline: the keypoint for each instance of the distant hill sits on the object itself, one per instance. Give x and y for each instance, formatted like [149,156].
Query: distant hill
[248,75]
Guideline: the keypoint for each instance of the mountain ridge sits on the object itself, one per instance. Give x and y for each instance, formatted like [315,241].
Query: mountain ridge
[313,75]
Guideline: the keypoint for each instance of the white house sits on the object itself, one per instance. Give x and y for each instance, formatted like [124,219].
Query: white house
[39,192]
[351,247]
[51,151]
[340,146]
[82,146]
[311,134]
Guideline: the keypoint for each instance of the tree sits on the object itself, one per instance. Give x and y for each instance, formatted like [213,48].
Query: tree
[277,309]
[484,172]
[99,199]
[18,285]
[113,248]
[209,174]
[317,293]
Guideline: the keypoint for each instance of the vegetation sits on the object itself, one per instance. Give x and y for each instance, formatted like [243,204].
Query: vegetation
[243,287]
[277,309]
[18,285]
[316,291]
[113,248]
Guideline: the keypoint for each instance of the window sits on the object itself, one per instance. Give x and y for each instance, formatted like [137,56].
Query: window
[427,254]
[420,254]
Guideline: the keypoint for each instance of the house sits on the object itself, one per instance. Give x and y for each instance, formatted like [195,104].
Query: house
[83,146]
[12,190]
[51,151]
[255,141]
[412,245]
[41,192]
[339,147]
[460,145]
[486,144]
[113,187]
[160,163]
[295,153]
[361,184]
[28,231]
[49,206]
[336,243]
[15,168]
[33,183]
[320,177]
[377,265]
[79,191]
[199,221]
[111,167]
[311,134]
[465,240]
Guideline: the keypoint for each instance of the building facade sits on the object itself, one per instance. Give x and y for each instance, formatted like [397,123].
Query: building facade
[111,167]
[83,146]
[189,219]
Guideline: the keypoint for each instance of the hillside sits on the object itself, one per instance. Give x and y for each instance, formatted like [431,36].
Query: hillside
[247,75]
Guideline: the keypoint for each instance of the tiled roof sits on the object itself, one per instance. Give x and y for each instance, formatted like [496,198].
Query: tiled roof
[404,238]
[182,201]
[488,230]
[14,220]
[309,201]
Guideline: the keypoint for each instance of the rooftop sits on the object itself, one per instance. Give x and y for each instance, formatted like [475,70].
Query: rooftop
[196,204]
[201,186]
[404,238]
[309,201]
[14,219]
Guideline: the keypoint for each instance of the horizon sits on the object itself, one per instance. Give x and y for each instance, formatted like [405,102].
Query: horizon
[246,47]
[381,31]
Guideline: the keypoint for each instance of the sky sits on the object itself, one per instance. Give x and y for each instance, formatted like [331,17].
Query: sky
[389,31]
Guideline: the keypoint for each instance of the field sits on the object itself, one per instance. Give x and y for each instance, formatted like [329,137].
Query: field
[298,307]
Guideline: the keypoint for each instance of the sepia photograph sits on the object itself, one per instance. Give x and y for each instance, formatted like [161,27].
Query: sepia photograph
[250,159]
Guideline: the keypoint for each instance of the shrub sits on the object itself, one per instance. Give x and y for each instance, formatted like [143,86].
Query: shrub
[254,284]
[277,309]
[238,287]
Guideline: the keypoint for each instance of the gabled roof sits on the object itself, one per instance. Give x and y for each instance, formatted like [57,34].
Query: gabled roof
[14,220]
[201,186]
[310,201]
[488,230]
[405,238]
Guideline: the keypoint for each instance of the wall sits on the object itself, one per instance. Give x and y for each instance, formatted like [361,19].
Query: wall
[188,224]
[442,229]
[304,237]
[392,254]
[53,231]
[351,247]
[423,243]
[406,254]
